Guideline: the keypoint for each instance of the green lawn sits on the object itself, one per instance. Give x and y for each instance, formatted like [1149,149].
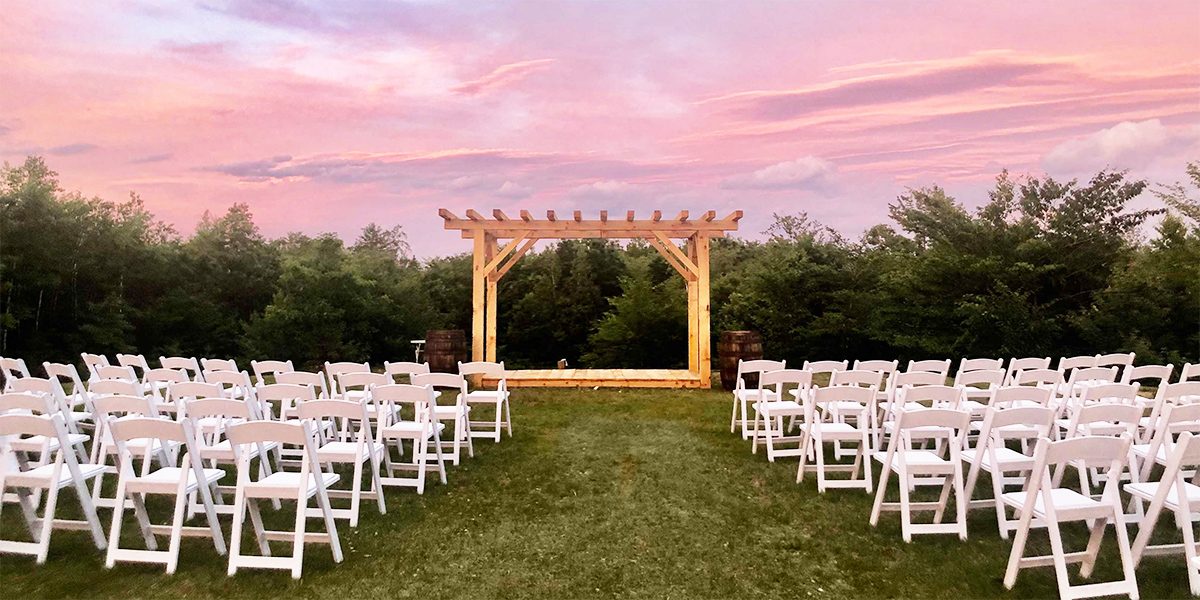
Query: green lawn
[600,494]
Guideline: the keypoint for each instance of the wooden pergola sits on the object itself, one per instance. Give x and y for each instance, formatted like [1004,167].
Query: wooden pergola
[500,241]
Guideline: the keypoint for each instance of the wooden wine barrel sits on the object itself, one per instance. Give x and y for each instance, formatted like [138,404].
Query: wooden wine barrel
[444,348]
[735,346]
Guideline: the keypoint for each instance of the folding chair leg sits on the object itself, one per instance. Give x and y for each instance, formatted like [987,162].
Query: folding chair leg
[1018,550]
[47,524]
[1059,558]
[507,417]
[905,509]
[298,539]
[356,493]
[176,532]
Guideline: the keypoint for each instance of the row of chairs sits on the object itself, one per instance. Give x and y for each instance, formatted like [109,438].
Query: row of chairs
[282,435]
[1023,432]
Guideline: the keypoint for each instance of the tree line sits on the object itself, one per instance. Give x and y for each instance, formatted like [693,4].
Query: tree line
[1041,268]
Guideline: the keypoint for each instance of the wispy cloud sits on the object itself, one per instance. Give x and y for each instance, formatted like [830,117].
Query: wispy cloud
[151,158]
[807,172]
[71,149]
[502,76]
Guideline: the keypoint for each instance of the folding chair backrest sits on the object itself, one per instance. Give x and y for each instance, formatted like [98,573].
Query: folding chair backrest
[992,377]
[196,390]
[1183,392]
[1112,393]
[489,369]
[1039,377]
[785,379]
[843,393]
[1003,397]
[361,381]
[419,397]
[254,432]
[93,362]
[235,383]
[1075,362]
[131,428]
[38,385]
[998,419]
[858,377]
[217,364]
[980,364]
[137,362]
[25,402]
[109,387]
[1017,365]
[397,370]
[916,378]
[220,408]
[1093,375]
[262,368]
[440,380]
[12,369]
[1119,360]
[316,381]
[119,373]
[1092,450]
[1189,371]
[1127,415]
[23,425]
[65,371]
[934,418]
[334,370]
[1156,375]
[935,396]
[886,367]
[933,366]
[164,376]
[188,365]
[749,369]
[825,366]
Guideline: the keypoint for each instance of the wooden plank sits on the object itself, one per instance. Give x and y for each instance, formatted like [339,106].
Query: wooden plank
[604,216]
[734,216]
[550,216]
[656,216]
[478,261]
[499,273]
[489,351]
[683,270]
[525,216]
[629,216]
[448,216]
[474,215]
[674,250]
[609,378]
[692,315]
[591,230]
[499,215]
[709,215]
[705,312]
[578,216]
[494,261]
[682,217]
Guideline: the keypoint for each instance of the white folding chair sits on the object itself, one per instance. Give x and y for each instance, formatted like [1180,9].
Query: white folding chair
[1103,394]
[1052,505]
[263,368]
[453,385]
[1017,365]
[17,473]
[158,380]
[56,401]
[12,369]
[316,381]
[1123,360]
[949,428]
[217,364]
[884,367]
[78,399]
[401,372]
[941,367]
[904,392]
[497,398]
[832,411]
[94,362]
[978,385]
[137,362]
[334,371]
[828,367]
[235,384]
[300,486]
[188,365]
[773,419]
[1175,420]
[993,455]
[287,396]
[350,441]
[421,430]
[967,365]
[1080,379]
[109,407]
[744,394]
[1040,378]
[1154,376]
[116,373]
[187,479]
[179,394]
[1175,493]
[355,386]
[816,430]
[211,419]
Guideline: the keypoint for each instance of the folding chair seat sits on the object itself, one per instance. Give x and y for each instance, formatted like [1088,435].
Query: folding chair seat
[773,419]
[941,367]
[853,426]
[949,428]
[12,369]
[264,368]
[25,478]
[302,486]
[350,441]
[1017,365]
[745,394]
[977,386]
[1173,492]
[1052,505]
[187,479]
[189,365]
[402,372]
[421,430]
[992,454]
[459,412]
[497,398]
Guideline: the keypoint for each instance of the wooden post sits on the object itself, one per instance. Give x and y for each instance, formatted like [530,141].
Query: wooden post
[705,312]
[693,312]
[490,304]
[478,307]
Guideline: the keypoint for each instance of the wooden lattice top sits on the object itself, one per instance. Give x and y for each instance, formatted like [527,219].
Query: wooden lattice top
[501,226]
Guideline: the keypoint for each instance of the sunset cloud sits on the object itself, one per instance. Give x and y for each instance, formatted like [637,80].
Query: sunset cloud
[1124,146]
[808,172]
[502,76]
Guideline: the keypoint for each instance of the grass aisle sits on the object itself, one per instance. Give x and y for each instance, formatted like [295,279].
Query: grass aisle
[600,494]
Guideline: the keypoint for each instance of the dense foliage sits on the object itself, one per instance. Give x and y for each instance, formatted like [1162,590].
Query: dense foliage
[1041,268]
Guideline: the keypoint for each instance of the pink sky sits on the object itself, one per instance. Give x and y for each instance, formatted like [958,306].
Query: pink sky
[326,116]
